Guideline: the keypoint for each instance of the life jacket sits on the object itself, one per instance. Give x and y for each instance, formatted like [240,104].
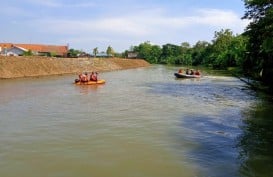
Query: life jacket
[83,78]
[93,77]
[197,73]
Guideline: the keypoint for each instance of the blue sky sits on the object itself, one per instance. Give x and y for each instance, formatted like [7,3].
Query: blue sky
[86,24]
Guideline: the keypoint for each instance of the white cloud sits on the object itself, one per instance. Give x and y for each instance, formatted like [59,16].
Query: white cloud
[157,27]
[156,24]
[208,17]
[119,25]
[216,17]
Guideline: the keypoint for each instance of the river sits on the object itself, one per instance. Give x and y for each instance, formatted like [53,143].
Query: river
[142,123]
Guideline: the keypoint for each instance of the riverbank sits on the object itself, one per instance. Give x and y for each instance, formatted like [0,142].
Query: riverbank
[253,84]
[15,67]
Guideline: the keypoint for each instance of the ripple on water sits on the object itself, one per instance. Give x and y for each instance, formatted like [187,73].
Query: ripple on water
[123,126]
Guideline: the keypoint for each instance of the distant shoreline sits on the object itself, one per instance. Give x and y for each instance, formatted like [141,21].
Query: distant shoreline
[16,67]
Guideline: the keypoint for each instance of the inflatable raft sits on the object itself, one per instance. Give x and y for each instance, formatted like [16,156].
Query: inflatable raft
[101,81]
[180,75]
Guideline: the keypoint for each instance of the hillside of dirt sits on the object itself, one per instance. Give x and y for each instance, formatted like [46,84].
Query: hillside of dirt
[14,67]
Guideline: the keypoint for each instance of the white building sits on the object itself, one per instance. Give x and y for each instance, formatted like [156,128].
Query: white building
[15,51]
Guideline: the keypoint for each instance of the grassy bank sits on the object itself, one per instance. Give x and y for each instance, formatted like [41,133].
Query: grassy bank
[14,67]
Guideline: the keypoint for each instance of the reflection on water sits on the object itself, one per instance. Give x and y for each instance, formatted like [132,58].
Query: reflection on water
[212,115]
[157,126]
[256,143]
[86,89]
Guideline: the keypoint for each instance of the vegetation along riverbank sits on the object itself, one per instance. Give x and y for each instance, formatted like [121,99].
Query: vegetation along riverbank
[15,67]
[251,52]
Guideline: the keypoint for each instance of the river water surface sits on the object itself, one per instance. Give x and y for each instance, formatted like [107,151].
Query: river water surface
[141,123]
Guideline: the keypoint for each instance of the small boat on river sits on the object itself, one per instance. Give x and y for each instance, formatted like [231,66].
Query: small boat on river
[101,81]
[181,75]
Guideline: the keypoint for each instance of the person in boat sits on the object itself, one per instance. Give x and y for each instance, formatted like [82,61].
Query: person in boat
[197,73]
[187,71]
[192,72]
[94,76]
[180,71]
[80,77]
[83,77]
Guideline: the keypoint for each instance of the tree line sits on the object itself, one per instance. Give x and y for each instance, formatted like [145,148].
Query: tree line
[225,50]
[79,53]
[251,51]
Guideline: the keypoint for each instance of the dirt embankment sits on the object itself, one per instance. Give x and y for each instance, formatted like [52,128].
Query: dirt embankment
[14,67]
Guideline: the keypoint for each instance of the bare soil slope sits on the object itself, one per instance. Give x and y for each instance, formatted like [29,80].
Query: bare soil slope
[14,67]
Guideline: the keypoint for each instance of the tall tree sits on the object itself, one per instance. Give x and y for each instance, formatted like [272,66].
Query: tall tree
[199,52]
[220,48]
[147,51]
[155,54]
[110,51]
[170,52]
[185,56]
[95,51]
[73,53]
[260,33]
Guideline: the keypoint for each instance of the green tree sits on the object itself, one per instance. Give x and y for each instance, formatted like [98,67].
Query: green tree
[144,50]
[221,53]
[237,50]
[28,53]
[52,54]
[185,56]
[110,51]
[199,52]
[147,51]
[73,53]
[95,51]
[170,53]
[260,34]
[155,54]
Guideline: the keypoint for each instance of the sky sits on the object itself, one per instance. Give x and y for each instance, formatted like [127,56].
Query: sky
[121,24]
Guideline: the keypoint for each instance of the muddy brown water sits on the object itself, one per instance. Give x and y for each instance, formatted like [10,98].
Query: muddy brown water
[141,123]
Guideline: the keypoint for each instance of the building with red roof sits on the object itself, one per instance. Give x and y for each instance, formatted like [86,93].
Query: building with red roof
[36,49]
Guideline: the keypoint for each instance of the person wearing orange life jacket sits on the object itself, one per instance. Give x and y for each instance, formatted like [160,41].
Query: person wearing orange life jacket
[94,76]
[83,77]
[180,71]
[197,73]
